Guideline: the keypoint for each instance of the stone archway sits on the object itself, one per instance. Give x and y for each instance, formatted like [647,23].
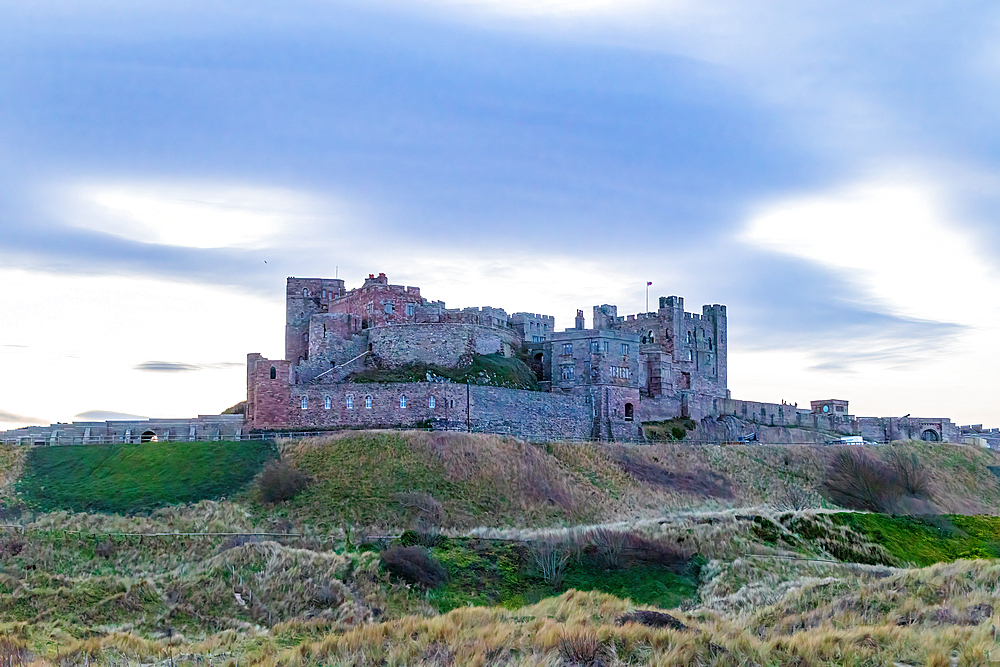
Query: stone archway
[148,436]
[930,435]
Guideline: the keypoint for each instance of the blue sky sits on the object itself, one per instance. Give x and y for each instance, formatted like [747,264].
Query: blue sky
[828,171]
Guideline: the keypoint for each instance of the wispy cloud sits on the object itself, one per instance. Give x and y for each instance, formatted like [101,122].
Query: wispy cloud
[11,418]
[106,415]
[182,367]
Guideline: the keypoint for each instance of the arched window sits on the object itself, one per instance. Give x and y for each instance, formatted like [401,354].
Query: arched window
[368,402]
[402,402]
[305,402]
[305,292]
[350,401]
[430,402]
[274,372]
[326,403]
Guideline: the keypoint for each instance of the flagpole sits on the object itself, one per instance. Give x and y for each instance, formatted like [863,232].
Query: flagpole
[647,296]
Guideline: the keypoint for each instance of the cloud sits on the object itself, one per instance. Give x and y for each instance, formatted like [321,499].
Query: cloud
[11,418]
[182,367]
[106,415]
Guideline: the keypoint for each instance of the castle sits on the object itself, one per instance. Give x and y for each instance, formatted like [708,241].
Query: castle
[350,357]
[597,383]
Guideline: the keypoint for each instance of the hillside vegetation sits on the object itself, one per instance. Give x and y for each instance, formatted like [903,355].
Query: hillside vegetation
[129,478]
[415,548]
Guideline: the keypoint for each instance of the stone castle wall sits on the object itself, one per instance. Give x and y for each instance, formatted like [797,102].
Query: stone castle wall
[448,345]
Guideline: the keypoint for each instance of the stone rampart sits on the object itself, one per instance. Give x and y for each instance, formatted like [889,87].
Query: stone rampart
[448,345]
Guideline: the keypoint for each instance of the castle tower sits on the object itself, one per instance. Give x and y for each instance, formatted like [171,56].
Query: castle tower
[305,297]
[716,315]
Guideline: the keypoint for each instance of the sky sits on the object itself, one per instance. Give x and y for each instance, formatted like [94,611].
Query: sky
[829,171]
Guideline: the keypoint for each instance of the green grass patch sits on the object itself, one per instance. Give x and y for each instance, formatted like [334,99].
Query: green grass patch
[928,540]
[130,478]
[493,370]
[487,573]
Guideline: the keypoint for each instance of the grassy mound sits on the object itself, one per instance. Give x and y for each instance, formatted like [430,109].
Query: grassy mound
[444,479]
[130,478]
[486,369]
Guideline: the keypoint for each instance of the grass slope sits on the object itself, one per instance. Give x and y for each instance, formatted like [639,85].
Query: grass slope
[129,478]
[474,480]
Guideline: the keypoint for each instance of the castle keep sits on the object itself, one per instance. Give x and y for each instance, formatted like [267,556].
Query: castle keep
[597,382]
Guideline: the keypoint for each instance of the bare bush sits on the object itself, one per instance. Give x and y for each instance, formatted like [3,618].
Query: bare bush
[583,648]
[912,477]
[425,509]
[11,546]
[608,544]
[415,565]
[857,481]
[328,596]
[280,481]
[795,497]
[551,558]
[105,549]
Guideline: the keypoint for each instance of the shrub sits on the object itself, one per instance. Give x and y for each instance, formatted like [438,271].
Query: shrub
[609,545]
[551,558]
[425,509]
[857,481]
[584,648]
[280,481]
[414,565]
[912,478]
[653,619]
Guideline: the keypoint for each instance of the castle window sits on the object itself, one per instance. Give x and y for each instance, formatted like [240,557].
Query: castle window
[430,402]
[710,343]
[402,402]
[624,349]
[708,358]
[388,308]
[567,349]
[568,373]
[451,403]
[650,336]
[411,309]
[274,372]
[605,346]
[305,293]
[595,348]
[326,403]
[690,355]
[350,401]
[368,402]
[324,294]
[305,402]
[628,412]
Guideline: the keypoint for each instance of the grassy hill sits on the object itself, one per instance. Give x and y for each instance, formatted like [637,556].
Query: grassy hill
[550,545]
[129,478]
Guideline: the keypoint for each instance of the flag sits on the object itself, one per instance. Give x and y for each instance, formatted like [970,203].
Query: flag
[648,284]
